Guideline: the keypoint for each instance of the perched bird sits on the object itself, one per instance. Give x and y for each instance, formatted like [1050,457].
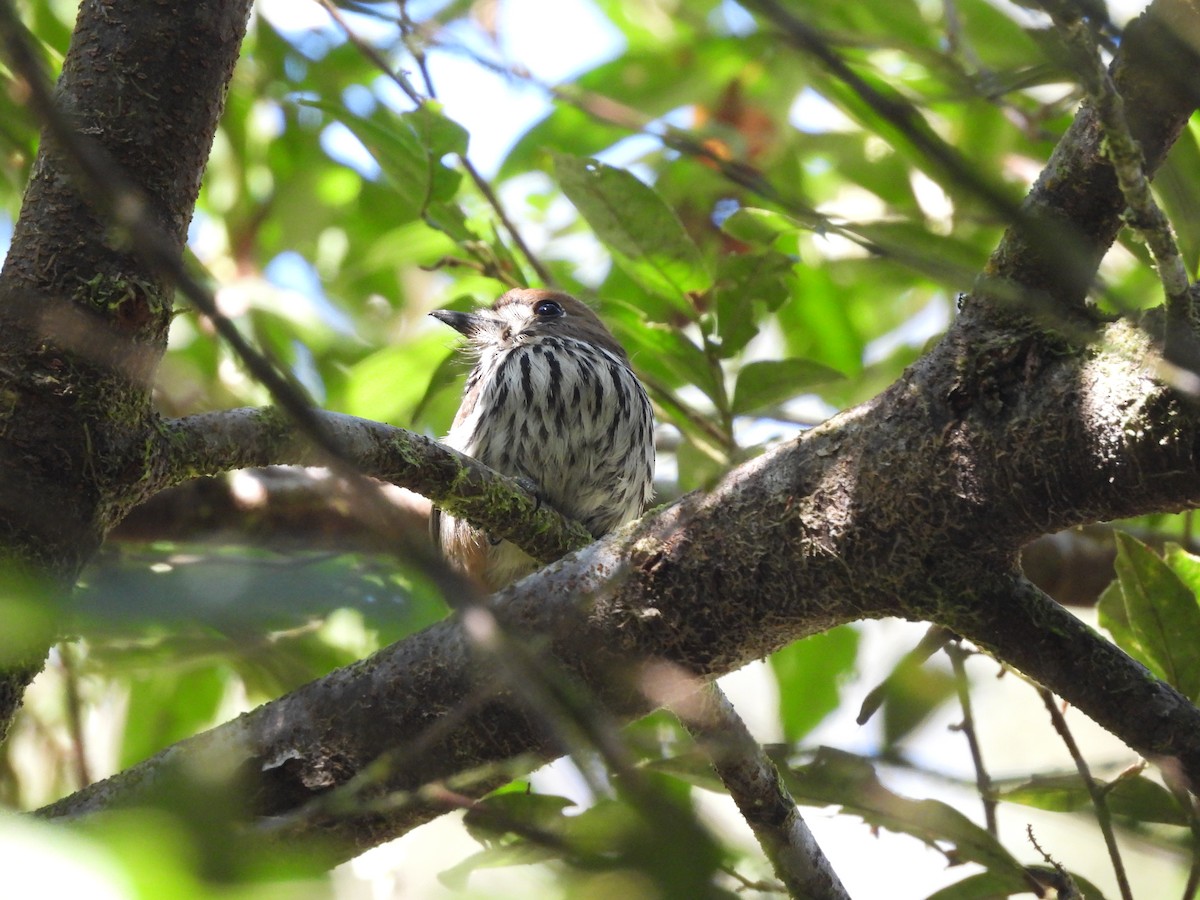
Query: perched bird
[551,399]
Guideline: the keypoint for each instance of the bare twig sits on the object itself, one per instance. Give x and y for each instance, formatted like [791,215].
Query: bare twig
[1193,881]
[1099,800]
[1061,879]
[411,92]
[982,781]
[66,655]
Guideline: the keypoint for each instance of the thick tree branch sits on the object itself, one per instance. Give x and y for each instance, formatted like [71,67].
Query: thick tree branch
[791,543]
[913,504]
[83,318]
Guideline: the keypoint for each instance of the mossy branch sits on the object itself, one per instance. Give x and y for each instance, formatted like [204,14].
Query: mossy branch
[212,443]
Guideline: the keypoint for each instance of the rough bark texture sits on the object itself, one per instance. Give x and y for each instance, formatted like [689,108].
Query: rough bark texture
[913,504]
[899,507]
[83,321]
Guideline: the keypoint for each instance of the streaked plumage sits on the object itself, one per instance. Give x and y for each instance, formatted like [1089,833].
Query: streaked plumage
[552,399]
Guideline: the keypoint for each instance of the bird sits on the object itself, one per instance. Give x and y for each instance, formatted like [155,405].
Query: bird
[553,401]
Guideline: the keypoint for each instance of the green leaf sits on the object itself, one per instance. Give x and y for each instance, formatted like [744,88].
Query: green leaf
[982,886]
[749,288]
[504,813]
[1163,615]
[991,886]
[386,386]
[495,857]
[1137,797]
[765,384]
[1185,565]
[165,707]
[945,258]
[810,674]
[1114,618]
[850,781]
[399,152]
[643,233]
[1179,188]
[439,136]
[911,691]
[760,227]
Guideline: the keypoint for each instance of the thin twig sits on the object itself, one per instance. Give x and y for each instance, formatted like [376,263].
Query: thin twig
[1099,800]
[515,233]
[371,54]
[1144,215]
[66,655]
[1061,880]
[1193,881]
[982,780]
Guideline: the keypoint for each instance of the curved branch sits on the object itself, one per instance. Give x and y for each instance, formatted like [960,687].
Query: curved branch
[1077,193]
[1021,626]
[789,544]
[211,443]
[913,504]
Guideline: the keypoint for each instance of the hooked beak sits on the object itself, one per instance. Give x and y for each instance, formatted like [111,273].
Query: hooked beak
[464,323]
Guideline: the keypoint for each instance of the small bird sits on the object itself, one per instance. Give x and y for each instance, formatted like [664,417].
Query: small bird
[552,400]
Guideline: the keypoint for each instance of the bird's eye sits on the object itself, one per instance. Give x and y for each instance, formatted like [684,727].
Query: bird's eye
[548,309]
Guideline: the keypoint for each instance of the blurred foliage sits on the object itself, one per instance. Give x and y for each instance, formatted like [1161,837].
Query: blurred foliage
[767,247]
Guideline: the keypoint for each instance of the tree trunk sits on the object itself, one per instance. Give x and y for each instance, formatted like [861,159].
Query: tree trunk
[83,318]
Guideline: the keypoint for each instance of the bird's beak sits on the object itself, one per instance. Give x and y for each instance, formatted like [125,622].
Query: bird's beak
[464,323]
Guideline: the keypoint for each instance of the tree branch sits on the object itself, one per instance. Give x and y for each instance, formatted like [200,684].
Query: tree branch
[763,799]
[84,318]
[913,504]
[791,543]
[1077,192]
[211,443]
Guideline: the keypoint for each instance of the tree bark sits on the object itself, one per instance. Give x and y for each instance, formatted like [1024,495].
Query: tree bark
[913,504]
[83,319]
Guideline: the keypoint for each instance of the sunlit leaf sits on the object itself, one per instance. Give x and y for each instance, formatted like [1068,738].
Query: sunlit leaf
[810,674]
[1162,612]
[399,152]
[761,385]
[643,233]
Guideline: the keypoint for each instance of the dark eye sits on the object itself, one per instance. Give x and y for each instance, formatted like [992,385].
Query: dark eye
[548,309]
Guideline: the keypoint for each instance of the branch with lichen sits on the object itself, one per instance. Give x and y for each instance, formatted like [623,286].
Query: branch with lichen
[216,442]
[1144,214]
[212,443]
